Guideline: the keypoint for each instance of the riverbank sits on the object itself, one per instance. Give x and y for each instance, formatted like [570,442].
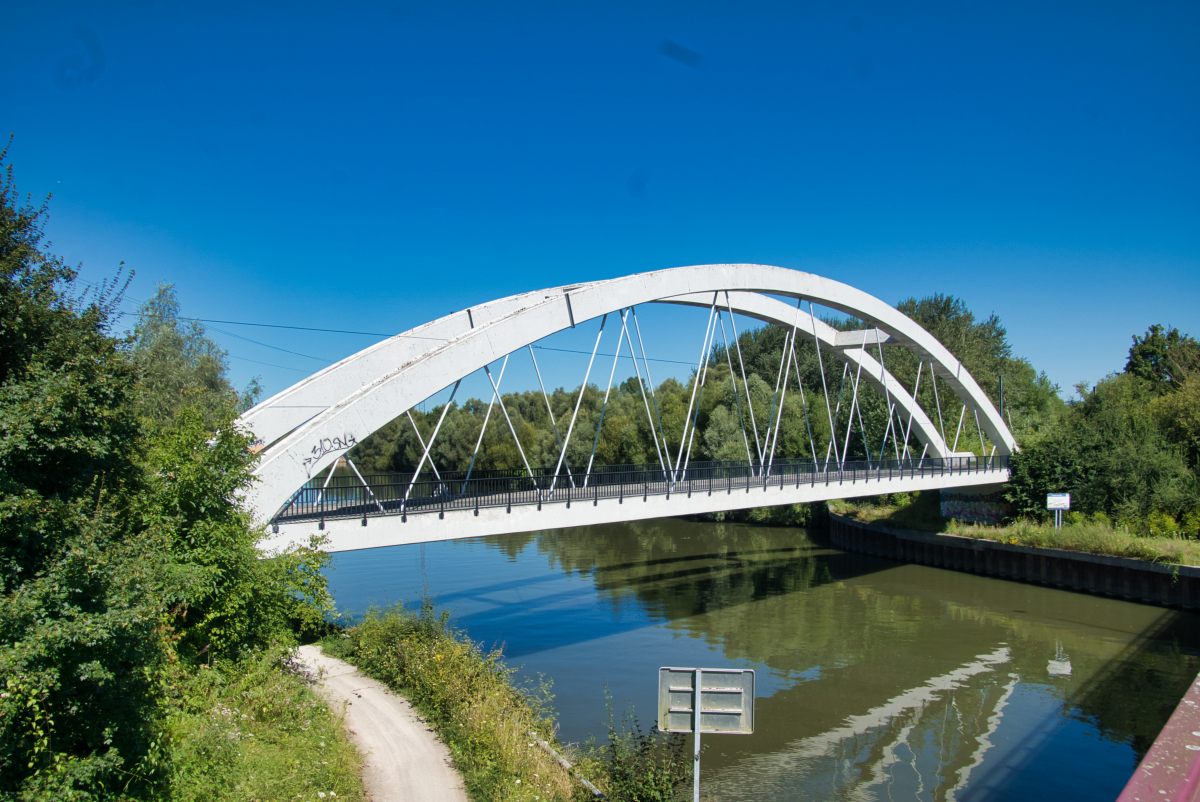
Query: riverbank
[464,694]
[1098,536]
[502,737]
[1139,580]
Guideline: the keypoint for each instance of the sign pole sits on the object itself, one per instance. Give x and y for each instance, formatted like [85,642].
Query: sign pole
[696,729]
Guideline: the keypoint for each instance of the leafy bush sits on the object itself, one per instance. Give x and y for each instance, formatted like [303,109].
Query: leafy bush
[1117,451]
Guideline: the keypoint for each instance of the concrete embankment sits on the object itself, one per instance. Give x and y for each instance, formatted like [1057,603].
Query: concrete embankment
[1137,580]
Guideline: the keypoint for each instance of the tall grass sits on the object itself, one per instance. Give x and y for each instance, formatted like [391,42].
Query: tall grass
[1095,535]
[468,695]
[254,730]
[1089,537]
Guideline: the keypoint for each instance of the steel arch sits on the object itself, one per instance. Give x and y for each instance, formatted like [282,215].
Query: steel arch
[309,425]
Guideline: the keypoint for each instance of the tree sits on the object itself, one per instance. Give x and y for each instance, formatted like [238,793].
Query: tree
[178,365]
[1164,358]
[79,608]
[1130,447]
[123,544]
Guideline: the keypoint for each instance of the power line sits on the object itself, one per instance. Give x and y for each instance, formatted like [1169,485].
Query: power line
[276,347]
[588,353]
[306,328]
[341,331]
[268,364]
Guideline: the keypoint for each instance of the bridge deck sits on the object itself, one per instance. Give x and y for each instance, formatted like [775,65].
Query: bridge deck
[392,509]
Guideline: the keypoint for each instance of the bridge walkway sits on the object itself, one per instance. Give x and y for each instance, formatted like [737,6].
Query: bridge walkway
[378,510]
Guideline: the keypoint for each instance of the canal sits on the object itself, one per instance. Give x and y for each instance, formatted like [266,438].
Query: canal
[875,679]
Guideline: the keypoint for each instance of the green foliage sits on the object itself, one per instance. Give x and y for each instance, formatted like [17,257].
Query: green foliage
[1095,536]
[1031,401]
[643,766]
[80,610]
[1165,358]
[122,550]
[194,481]
[179,366]
[253,729]
[1159,538]
[488,724]
[1123,450]
[467,695]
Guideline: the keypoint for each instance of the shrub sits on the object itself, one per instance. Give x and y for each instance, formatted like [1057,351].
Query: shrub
[1160,523]
[643,766]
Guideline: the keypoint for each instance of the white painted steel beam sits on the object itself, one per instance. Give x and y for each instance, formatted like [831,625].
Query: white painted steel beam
[308,426]
[861,337]
[281,413]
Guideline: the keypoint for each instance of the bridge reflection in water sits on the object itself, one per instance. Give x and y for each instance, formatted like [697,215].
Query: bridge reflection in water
[878,680]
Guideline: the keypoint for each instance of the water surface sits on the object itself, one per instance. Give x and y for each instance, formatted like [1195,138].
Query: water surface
[876,679]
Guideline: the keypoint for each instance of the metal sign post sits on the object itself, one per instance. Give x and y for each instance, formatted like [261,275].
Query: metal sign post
[698,700]
[1058,502]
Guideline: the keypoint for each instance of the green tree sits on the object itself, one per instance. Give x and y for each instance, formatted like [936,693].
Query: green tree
[1164,357]
[79,608]
[121,547]
[1129,448]
[178,365]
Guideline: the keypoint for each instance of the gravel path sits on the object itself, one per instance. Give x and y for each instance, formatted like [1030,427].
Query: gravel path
[405,761]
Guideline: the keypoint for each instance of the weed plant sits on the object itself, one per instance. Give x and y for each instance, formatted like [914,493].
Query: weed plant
[1089,537]
[253,730]
[644,766]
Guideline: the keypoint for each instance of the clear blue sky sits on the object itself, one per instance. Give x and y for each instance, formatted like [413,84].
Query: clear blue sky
[370,167]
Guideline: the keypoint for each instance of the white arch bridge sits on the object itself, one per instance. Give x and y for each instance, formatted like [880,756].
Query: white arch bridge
[308,427]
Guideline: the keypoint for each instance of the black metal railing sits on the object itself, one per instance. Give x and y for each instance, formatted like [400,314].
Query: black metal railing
[404,494]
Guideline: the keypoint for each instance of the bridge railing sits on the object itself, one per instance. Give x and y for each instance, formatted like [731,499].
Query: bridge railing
[402,494]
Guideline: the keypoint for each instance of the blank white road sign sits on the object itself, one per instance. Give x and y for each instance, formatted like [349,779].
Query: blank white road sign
[726,700]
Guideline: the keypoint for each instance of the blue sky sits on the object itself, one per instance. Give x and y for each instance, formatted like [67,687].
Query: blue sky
[372,168]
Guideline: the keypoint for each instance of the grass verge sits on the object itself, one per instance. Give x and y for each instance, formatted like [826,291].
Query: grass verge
[922,512]
[254,730]
[467,694]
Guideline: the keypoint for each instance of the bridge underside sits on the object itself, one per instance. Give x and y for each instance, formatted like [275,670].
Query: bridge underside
[374,523]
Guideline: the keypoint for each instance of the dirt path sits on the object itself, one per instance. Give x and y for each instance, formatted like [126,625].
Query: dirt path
[405,761]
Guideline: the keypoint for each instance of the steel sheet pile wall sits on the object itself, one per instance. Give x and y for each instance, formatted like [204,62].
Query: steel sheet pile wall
[1170,585]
